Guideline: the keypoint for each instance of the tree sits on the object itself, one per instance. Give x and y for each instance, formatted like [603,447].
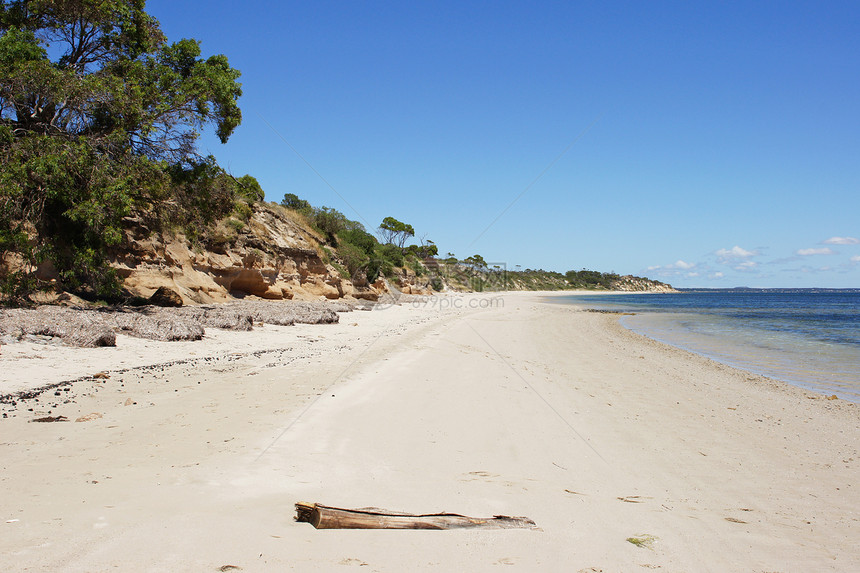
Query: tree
[100,129]
[476,261]
[428,249]
[117,82]
[395,232]
[249,188]
[292,201]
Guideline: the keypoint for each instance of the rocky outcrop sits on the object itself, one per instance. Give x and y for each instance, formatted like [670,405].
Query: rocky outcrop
[408,282]
[166,296]
[273,256]
[630,283]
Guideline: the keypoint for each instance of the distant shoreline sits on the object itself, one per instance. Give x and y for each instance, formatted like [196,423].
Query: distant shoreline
[800,336]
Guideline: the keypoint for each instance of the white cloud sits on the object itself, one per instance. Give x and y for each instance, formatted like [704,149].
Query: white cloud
[676,269]
[823,251]
[679,264]
[841,241]
[855,259]
[735,252]
[812,270]
[746,266]
[717,275]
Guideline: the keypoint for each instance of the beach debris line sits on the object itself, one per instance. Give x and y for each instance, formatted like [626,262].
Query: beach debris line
[325,517]
[92,328]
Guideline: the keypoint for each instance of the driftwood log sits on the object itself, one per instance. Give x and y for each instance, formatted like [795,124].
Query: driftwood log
[325,517]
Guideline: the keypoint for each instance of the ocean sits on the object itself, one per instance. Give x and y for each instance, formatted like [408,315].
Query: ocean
[806,337]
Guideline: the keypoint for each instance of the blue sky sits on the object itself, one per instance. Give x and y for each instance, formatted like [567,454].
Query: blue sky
[701,143]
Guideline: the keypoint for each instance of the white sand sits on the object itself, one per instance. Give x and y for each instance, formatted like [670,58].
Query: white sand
[531,409]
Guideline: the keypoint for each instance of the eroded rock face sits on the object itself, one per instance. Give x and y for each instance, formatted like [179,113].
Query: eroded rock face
[410,283]
[272,257]
[630,283]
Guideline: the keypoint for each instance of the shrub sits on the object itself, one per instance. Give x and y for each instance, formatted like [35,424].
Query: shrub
[391,254]
[359,238]
[416,266]
[242,210]
[353,257]
[329,221]
[249,188]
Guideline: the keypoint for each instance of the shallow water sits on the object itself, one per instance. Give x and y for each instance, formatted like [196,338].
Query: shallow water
[810,338]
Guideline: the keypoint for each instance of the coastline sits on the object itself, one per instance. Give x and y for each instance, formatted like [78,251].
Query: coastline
[526,408]
[803,361]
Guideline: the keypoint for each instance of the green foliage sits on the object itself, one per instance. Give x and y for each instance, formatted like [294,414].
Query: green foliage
[65,194]
[292,201]
[395,232]
[423,251]
[249,189]
[476,261]
[428,249]
[329,221]
[340,269]
[391,253]
[383,260]
[415,264]
[242,210]
[117,79]
[590,279]
[105,128]
[386,269]
[15,287]
[202,193]
[376,267]
[357,249]
[360,238]
[352,256]
[235,224]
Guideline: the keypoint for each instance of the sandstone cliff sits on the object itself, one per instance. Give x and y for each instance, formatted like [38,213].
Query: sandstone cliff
[630,283]
[273,256]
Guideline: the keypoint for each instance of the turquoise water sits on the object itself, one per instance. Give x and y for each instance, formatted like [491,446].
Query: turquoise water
[807,337]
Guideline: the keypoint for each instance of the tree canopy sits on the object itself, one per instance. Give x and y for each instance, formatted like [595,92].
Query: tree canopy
[292,201]
[395,232]
[114,79]
[100,114]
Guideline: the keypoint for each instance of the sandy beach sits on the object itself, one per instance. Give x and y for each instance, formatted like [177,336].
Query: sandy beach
[629,455]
